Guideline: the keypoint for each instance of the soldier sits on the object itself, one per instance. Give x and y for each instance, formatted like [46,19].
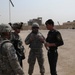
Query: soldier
[9,64]
[17,41]
[35,41]
[54,40]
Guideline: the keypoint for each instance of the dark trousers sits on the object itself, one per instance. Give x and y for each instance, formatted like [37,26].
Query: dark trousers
[52,58]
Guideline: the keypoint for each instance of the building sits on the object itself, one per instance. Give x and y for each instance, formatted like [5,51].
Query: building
[69,25]
[38,20]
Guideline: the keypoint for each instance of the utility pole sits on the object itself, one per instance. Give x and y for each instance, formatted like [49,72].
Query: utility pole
[10,10]
[58,22]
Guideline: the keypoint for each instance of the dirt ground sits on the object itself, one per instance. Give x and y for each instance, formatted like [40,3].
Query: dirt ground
[66,58]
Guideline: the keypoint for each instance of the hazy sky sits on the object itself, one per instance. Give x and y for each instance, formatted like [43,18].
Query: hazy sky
[24,10]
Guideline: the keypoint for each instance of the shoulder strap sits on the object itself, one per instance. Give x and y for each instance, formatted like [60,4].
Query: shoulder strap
[1,44]
[4,42]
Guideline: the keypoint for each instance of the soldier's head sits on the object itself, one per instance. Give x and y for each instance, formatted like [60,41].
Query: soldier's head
[5,31]
[35,28]
[49,24]
[17,27]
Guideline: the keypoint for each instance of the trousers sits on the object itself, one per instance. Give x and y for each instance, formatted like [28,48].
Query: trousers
[52,59]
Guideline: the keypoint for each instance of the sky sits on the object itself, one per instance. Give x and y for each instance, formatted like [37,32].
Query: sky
[59,10]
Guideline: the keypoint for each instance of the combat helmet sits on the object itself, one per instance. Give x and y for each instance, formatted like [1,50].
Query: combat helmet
[35,25]
[17,25]
[5,28]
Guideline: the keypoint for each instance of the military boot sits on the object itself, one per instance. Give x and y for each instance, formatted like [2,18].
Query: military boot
[30,74]
[42,73]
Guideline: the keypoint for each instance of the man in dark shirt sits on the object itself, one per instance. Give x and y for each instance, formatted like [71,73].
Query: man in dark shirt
[54,40]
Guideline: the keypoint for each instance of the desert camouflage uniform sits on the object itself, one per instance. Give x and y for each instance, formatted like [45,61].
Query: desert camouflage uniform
[8,60]
[18,44]
[35,52]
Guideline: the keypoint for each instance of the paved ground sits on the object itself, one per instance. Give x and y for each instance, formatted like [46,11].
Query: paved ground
[66,58]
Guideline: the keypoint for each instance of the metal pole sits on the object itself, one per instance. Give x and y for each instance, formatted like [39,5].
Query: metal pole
[9,13]
[10,2]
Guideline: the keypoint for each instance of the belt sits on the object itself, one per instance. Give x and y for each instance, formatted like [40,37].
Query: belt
[52,51]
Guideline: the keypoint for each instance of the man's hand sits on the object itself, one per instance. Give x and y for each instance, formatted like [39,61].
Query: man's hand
[50,44]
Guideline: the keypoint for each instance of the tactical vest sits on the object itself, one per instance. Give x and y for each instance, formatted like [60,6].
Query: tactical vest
[36,44]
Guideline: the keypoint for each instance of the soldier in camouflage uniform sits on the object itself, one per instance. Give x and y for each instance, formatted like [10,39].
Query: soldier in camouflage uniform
[17,41]
[9,64]
[35,41]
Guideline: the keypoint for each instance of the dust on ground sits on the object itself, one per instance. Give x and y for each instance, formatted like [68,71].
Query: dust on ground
[66,58]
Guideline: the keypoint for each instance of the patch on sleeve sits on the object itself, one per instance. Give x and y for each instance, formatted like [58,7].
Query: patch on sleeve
[59,37]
